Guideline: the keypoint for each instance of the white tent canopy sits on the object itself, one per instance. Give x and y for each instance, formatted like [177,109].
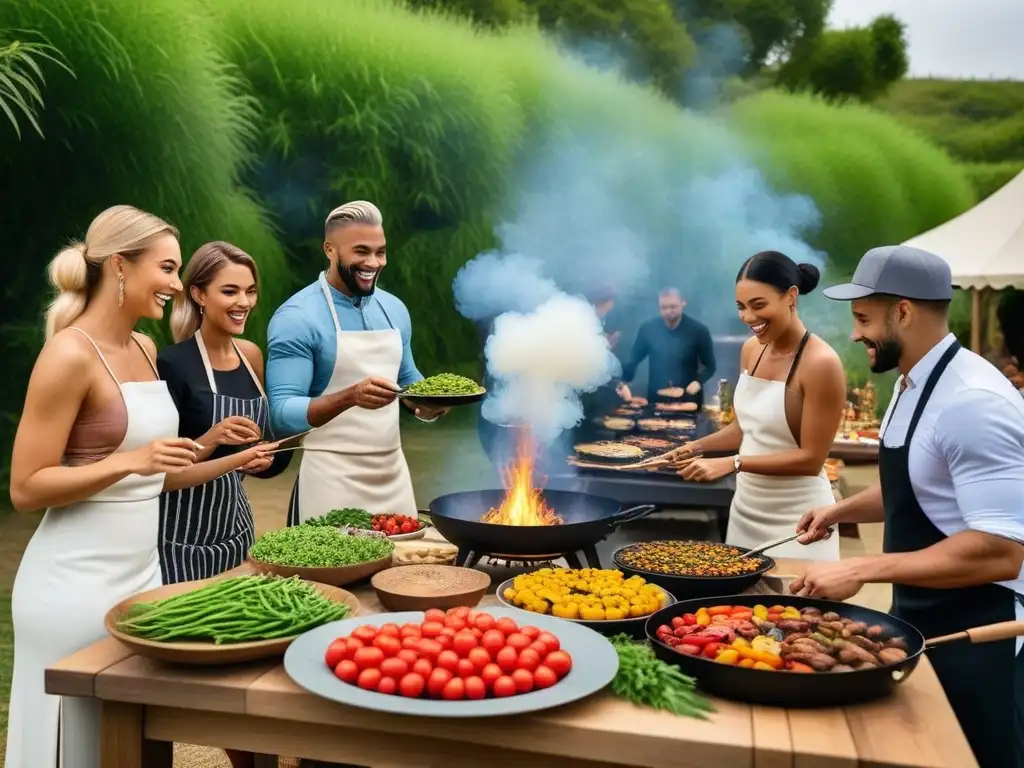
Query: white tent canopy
[985,245]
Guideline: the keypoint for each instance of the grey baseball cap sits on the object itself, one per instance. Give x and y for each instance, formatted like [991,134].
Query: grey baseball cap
[897,270]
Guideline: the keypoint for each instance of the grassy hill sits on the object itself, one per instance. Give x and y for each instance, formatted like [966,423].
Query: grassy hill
[979,122]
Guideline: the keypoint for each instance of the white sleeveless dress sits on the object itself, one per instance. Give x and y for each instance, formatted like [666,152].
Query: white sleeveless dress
[82,560]
[768,507]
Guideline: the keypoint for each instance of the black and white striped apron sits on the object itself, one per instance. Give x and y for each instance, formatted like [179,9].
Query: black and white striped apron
[208,529]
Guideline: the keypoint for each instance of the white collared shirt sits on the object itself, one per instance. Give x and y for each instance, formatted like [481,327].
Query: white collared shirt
[967,455]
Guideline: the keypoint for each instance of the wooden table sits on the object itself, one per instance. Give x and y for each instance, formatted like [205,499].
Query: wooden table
[148,705]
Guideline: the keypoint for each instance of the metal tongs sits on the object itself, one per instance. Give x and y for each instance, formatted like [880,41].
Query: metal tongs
[771,544]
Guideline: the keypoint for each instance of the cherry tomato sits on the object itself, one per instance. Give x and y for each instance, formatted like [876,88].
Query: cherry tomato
[387,685]
[455,622]
[422,667]
[466,668]
[431,628]
[504,686]
[434,615]
[437,680]
[485,621]
[336,651]
[365,634]
[540,648]
[531,632]
[411,630]
[408,655]
[464,642]
[368,658]
[390,629]
[445,641]
[477,633]
[347,670]
[411,685]
[507,626]
[523,679]
[550,641]
[559,662]
[528,659]
[475,688]
[490,673]
[543,677]
[448,660]
[493,640]
[518,640]
[506,658]
[479,657]
[393,667]
[454,690]
[411,642]
[472,616]
[353,643]
[429,648]
[369,679]
[390,644]
[461,611]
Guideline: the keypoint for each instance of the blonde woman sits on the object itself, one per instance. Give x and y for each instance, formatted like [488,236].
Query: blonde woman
[216,381]
[96,444]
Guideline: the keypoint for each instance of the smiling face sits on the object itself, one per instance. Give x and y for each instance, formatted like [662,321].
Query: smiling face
[876,325]
[764,308]
[359,254]
[150,279]
[228,298]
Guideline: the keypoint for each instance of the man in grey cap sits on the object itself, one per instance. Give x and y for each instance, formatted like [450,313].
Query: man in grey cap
[951,494]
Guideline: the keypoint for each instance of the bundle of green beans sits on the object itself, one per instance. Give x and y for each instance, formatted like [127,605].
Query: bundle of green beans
[235,610]
[303,546]
[647,681]
[443,384]
[343,518]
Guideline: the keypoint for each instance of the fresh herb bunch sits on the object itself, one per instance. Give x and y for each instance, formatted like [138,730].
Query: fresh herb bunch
[234,610]
[443,384]
[305,546]
[647,681]
[349,517]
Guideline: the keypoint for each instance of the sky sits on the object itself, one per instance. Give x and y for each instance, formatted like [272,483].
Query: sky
[951,38]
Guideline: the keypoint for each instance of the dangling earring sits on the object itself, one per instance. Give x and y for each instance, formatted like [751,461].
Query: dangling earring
[120,290]
[201,309]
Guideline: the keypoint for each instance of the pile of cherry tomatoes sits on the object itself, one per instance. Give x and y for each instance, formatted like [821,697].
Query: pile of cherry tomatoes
[461,654]
[392,525]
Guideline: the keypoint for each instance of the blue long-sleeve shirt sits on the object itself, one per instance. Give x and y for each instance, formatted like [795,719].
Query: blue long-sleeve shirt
[677,355]
[301,347]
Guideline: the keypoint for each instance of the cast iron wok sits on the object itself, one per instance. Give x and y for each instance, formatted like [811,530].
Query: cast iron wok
[586,521]
[803,690]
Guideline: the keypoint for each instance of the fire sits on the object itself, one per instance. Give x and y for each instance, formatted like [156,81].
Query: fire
[523,503]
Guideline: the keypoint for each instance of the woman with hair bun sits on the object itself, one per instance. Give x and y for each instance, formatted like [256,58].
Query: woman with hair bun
[96,444]
[788,409]
[216,381]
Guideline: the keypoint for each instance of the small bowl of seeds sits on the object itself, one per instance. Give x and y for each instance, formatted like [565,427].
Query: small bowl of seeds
[690,569]
[418,587]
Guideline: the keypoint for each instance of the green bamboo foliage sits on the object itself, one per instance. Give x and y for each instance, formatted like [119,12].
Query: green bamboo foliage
[22,80]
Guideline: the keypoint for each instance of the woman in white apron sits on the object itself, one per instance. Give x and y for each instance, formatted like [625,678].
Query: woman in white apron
[96,444]
[208,529]
[356,458]
[788,406]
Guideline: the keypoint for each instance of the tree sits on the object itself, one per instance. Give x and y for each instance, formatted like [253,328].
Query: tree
[489,14]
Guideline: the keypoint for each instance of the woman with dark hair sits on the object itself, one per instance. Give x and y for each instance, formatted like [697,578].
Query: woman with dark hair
[788,409]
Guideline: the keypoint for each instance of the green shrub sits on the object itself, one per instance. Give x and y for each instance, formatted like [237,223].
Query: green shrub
[988,177]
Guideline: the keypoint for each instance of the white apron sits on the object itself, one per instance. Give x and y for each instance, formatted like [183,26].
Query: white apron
[768,507]
[82,560]
[356,459]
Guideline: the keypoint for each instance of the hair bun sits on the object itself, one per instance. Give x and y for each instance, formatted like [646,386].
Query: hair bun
[69,272]
[809,277]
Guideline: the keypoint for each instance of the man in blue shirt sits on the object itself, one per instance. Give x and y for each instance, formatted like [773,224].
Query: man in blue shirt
[678,348]
[339,351]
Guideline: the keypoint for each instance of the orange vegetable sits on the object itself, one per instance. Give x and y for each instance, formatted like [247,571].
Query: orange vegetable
[703,619]
[796,666]
[743,614]
[770,659]
[729,656]
[747,663]
[720,610]
[762,665]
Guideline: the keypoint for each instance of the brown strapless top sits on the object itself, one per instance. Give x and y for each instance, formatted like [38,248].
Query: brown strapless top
[97,433]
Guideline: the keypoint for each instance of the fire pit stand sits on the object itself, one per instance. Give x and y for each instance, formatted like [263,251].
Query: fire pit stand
[468,558]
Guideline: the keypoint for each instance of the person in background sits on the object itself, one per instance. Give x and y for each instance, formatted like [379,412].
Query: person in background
[951,494]
[788,409]
[216,381]
[678,349]
[339,351]
[96,444]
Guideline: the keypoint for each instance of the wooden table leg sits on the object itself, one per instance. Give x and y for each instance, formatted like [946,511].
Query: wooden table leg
[122,743]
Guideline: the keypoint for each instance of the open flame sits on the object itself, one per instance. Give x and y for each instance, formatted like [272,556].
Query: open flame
[523,503]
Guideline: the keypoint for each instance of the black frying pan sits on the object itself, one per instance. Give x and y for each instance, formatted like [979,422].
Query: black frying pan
[803,690]
[586,521]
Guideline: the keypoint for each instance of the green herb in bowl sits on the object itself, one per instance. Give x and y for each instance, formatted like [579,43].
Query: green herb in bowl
[349,517]
[304,546]
[443,385]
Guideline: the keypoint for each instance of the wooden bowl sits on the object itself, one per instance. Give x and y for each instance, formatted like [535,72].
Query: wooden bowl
[337,577]
[419,587]
[206,654]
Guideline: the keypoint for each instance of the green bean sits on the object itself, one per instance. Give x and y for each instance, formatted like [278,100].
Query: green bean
[444,384]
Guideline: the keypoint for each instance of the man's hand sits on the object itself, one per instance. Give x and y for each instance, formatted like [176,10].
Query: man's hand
[373,393]
[707,470]
[814,525]
[613,338]
[693,388]
[428,413]
[839,580]
[624,392]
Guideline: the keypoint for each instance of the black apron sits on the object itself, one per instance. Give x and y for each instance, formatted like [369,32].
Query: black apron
[984,683]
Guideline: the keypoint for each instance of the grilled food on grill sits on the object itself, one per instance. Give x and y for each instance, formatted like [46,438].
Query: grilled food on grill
[610,450]
[650,443]
[617,423]
[671,392]
[677,407]
[655,425]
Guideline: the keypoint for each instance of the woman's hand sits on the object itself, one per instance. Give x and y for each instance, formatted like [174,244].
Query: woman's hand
[163,456]
[234,430]
[707,470]
[257,459]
